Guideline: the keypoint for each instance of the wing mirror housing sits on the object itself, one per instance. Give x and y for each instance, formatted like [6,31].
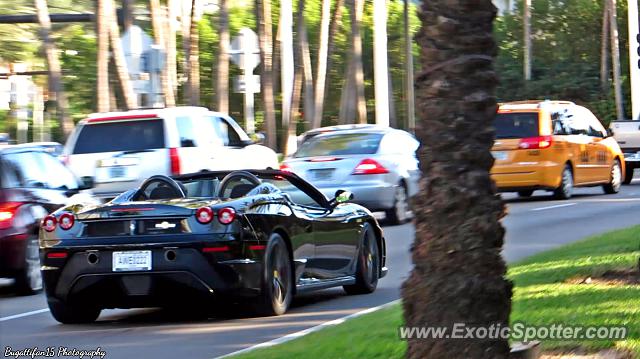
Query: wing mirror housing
[341,196]
[87,182]
[609,132]
[258,138]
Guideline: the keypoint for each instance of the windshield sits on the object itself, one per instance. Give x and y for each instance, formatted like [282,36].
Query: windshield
[516,125]
[341,144]
[120,136]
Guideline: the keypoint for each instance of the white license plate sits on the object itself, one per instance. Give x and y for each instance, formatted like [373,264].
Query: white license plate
[500,155]
[131,261]
[117,172]
[323,174]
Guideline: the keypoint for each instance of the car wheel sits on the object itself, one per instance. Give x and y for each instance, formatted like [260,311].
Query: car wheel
[525,194]
[29,279]
[277,283]
[399,213]
[368,267]
[72,314]
[628,175]
[565,190]
[616,179]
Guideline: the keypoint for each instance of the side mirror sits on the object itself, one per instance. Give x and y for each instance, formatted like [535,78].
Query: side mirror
[342,196]
[87,182]
[259,138]
[609,132]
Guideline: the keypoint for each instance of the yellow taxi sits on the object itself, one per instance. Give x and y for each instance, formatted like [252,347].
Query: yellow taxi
[554,146]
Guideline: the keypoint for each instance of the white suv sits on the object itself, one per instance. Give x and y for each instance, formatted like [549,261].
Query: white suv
[120,149]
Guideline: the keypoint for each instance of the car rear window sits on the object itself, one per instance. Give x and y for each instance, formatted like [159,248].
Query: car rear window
[120,136]
[516,125]
[341,144]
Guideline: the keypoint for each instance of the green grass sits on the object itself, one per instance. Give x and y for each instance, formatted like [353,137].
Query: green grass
[541,296]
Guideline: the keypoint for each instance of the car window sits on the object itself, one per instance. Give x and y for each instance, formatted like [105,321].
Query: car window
[595,127]
[9,174]
[576,122]
[59,176]
[516,125]
[295,194]
[186,131]
[120,136]
[225,131]
[28,169]
[398,142]
[341,144]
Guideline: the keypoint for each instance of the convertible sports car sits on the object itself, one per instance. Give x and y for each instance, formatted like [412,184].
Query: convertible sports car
[257,237]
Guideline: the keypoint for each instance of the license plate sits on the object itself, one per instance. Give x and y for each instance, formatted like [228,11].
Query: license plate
[322,175]
[131,261]
[117,172]
[500,155]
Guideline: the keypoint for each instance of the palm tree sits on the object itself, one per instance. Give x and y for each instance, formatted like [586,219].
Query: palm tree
[102,29]
[158,20]
[321,72]
[527,39]
[458,274]
[265,35]
[222,81]
[193,57]
[128,94]
[408,55]
[172,63]
[604,46]
[615,57]
[53,65]
[353,106]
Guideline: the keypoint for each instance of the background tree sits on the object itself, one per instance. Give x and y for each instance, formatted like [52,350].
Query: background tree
[615,57]
[321,64]
[158,19]
[130,98]
[459,273]
[222,80]
[265,35]
[102,75]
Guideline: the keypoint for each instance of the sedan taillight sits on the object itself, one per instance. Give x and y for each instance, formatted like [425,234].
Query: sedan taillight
[369,167]
[7,213]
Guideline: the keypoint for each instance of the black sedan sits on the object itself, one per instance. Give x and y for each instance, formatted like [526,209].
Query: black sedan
[256,237]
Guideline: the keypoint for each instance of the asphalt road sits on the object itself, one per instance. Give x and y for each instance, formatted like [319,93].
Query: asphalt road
[533,225]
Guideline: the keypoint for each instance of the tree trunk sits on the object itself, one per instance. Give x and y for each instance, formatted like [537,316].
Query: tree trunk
[129,96]
[458,274]
[356,29]
[604,47]
[615,58]
[336,21]
[321,72]
[127,14]
[380,62]
[158,19]
[393,119]
[408,56]
[222,80]
[305,58]
[102,32]
[185,23]
[263,10]
[194,57]
[347,98]
[53,66]
[172,64]
[527,39]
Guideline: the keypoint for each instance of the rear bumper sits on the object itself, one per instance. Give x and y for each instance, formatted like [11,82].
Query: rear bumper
[375,196]
[191,274]
[534,175]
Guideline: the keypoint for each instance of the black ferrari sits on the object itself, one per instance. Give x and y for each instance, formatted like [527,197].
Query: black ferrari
[256,237]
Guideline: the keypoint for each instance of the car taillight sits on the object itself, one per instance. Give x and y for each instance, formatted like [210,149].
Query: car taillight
[226,215]
[369,167]
[285,168]
[535,143]
[66,221]
[57,255]
[174,160]
[49,223]
[7,213]
[204,215]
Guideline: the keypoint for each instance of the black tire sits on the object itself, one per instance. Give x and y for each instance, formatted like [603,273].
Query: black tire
[628,175]
[615,182]
[565,190]
[29,279]
[72,314]
[277,279]
[525,194]
[399,213]
[368,267]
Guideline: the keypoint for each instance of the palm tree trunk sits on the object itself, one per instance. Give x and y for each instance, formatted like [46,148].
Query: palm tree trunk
[53,66]
[185,23]
[263,10]
[527,39]
[102,75]
[194,57]
[458,274]
[158,19]
[615,58]
[129,96]
[321,72]
[305,58]
[357,52]
[336,21]
[222,80]
[604,47]
[172,64]
[408,55]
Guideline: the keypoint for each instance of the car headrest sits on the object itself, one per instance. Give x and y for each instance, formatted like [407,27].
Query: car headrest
[241,190]
[163,192]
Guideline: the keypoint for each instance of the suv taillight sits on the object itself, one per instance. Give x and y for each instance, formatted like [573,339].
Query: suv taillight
[369,167]
[174,160]
[535,143]
[7,213]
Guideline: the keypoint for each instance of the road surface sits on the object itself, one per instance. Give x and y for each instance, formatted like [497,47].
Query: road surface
[533,225]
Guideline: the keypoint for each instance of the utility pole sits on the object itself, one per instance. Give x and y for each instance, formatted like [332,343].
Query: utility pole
[380,62]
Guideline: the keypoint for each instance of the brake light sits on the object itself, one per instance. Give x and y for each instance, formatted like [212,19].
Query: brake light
[204,215]
[257,247]
[285,168]
[535,143]
[323,159]
[56,255]
[49,223]
[226,215]
[369,167]
[174,159]
[7,213]
[66,221]
[215,249]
